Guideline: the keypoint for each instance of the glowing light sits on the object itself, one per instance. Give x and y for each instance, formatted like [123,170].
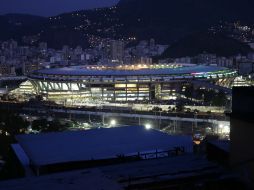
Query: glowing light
[148,126]
[197,142]
[226,129]
[113,122]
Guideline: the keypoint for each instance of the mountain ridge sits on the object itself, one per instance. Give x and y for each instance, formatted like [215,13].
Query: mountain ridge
[166,21]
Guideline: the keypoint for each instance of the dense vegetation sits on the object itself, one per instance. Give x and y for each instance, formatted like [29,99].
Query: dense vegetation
[11,124]
[201,42]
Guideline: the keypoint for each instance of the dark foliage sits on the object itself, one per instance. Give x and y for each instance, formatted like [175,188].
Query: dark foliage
[201,42]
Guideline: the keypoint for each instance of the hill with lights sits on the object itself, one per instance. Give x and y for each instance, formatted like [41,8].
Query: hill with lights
[164,20]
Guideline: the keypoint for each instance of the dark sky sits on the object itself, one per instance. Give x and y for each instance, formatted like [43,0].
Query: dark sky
[50,7]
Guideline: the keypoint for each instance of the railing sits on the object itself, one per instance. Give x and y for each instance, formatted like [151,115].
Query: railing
[156,154]
[13,78]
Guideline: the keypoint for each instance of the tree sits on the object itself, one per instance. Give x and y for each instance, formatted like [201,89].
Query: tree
[157,109]
[209,96]
[12,123]
[44,125]
[170,109]
[189,92]
[199,94]
[220,99]
[39,125]
[180,106]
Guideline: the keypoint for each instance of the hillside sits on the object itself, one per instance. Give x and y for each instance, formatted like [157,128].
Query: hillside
[164,20]
[16,25]
[201,42]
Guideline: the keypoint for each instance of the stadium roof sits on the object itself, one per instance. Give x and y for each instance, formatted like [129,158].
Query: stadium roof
[97,144]
[82,71]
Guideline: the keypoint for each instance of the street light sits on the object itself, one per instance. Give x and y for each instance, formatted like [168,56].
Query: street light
[220,127]
[148,126]
[113,122]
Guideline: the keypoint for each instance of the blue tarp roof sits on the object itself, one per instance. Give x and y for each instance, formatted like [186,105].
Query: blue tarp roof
[50,148]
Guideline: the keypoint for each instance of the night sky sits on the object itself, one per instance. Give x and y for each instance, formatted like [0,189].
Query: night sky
[50,7]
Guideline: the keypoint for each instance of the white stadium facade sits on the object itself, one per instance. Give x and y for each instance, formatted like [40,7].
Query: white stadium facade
[121,83]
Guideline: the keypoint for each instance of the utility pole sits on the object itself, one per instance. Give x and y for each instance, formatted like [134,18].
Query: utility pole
[103,119]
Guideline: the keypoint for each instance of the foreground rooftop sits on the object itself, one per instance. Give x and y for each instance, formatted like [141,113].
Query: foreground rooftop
[186,170]
[97,144]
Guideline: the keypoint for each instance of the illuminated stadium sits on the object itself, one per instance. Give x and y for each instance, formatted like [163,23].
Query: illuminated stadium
[122,83]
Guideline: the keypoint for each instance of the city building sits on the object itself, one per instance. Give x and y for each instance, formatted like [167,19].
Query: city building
[117,51]
[29,67]
[7,70]
[241,133]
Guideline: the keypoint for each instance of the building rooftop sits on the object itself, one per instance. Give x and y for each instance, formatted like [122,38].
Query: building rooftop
[97,144]
[116,177]
[75,180]
[83,71]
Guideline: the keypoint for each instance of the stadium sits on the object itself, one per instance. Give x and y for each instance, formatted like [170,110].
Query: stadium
[121,83]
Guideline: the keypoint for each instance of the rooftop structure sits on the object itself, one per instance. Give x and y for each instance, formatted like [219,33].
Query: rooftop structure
[99,144]
[178,71]
[181,171]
